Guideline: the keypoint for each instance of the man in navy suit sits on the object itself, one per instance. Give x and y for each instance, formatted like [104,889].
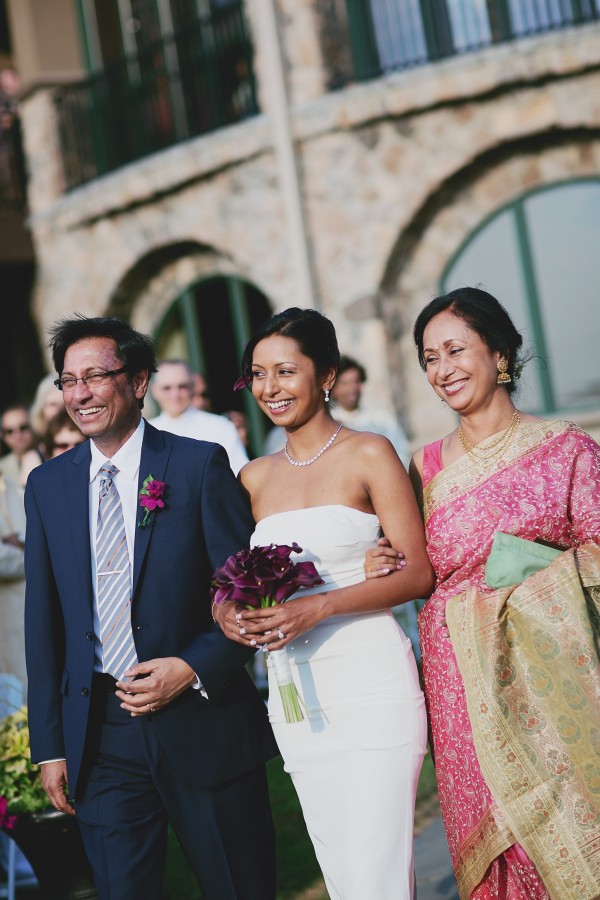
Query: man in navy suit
[182,734]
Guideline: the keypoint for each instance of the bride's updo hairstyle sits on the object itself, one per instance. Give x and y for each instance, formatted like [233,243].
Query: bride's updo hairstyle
[485,315]
[312,332]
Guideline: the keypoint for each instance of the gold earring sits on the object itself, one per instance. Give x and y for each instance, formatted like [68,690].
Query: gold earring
[503,376]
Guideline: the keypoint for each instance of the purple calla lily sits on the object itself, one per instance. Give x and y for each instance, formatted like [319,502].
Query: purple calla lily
[263,577]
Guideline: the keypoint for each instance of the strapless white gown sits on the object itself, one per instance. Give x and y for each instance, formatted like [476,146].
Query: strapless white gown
[355,760]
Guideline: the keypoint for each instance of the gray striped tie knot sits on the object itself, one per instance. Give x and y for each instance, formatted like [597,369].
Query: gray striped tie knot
[106,473]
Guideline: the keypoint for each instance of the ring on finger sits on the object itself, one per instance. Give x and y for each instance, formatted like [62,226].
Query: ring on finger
[281,634]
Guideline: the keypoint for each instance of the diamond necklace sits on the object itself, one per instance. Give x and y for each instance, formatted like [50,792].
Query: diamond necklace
[496,446]
[309,462]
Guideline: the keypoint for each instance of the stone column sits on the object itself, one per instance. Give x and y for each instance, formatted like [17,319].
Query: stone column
[42,150]
[300,43]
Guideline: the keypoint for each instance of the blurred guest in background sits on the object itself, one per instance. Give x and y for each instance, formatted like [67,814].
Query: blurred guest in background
[241,423]
[274,441]
[346,396]
[48,401]
[172,389]
[12,161]
[62,434]
[10,85]
[21,442]
[12,579]
[200,392]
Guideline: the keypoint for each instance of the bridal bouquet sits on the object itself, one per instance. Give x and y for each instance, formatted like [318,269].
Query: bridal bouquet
[259,578]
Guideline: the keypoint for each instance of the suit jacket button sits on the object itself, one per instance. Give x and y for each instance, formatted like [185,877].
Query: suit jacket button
[89,635]
[84,691]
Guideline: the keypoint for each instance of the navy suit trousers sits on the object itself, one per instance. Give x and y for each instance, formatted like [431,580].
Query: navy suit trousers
[130,792]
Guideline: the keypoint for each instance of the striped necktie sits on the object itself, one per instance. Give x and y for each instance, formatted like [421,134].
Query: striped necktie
[113,572]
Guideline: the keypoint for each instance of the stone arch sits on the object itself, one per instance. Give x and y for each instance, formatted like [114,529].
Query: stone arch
[148,289]
[444,221]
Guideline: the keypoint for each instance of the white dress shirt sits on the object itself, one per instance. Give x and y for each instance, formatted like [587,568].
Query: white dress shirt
[204,426]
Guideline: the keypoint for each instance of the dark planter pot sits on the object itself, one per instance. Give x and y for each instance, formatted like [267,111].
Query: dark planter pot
[52,843]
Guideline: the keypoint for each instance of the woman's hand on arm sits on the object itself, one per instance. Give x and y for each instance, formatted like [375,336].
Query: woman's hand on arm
[383,559]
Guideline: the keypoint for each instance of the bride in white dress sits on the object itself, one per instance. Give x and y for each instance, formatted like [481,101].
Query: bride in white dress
[355,759]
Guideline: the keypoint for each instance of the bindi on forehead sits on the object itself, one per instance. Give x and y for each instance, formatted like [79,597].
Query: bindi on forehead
[460,333]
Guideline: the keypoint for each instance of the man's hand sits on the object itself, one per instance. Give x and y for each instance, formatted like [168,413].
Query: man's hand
[158,682]
[54,782]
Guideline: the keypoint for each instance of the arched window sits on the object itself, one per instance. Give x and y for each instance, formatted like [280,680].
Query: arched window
[540,257]
[209,325]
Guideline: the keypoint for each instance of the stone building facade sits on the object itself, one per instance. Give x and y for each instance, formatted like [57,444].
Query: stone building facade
[394,174]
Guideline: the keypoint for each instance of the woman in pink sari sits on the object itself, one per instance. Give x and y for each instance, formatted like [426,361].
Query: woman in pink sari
[500,471]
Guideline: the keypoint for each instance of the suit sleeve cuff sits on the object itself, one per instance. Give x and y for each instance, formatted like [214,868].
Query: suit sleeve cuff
[198,687]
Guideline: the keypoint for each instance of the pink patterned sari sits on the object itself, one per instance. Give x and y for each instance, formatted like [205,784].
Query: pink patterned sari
[546,486]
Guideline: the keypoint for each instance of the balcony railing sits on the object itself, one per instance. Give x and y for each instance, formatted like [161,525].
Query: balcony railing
[389,35]
[13,194]
[189,83]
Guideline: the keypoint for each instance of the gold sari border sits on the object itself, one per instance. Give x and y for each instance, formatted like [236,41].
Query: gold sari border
[489,839]
[532,680]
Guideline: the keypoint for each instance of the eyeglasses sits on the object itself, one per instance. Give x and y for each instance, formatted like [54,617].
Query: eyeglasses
[69,384]
[68,446]
[16,429]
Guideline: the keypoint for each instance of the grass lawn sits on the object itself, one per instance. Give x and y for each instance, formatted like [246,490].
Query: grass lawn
[296,864]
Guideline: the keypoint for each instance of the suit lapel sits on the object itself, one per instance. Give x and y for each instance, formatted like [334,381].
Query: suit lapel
[78,501]
[155,455]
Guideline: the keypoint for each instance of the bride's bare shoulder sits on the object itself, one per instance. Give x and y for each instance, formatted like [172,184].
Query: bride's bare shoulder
[369,444]
[258,471]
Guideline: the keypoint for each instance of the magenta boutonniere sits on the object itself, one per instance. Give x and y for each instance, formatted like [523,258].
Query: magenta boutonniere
[151,498]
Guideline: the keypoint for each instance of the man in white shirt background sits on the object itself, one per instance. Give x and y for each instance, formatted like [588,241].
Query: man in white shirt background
[172,389]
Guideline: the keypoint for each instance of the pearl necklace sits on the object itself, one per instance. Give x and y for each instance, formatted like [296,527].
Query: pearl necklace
[309,462]
[496,447]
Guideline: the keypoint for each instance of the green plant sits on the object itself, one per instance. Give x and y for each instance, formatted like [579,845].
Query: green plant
[20,781]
